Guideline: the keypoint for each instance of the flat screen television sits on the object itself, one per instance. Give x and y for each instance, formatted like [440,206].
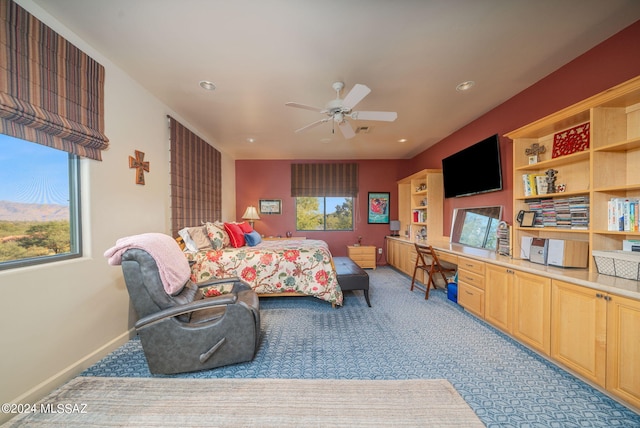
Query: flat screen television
[473,170]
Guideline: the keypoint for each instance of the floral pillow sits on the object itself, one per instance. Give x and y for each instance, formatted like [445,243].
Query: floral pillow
[217,236]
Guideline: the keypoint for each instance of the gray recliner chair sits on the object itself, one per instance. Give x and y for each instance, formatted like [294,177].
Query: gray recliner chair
[187,332]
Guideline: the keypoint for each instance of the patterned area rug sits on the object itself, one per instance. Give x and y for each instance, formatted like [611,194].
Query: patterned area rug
[129,402]
[401,337]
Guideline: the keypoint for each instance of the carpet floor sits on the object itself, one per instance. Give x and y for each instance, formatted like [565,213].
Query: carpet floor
[401,337]
[282,403]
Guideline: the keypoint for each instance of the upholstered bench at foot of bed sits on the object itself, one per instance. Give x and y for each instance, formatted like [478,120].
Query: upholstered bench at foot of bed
[351,276]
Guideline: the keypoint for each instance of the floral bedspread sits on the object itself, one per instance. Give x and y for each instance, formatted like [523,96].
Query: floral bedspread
[271,267]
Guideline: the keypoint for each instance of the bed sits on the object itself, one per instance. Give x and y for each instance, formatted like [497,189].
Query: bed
[273,267]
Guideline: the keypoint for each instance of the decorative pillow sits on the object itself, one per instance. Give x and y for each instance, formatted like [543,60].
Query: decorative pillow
[200,237]
[245,227]
[217,236]
[236,236]
[220,225]
[188,242]
[252,238]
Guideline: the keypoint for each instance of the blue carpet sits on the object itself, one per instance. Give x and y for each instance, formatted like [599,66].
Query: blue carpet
[405,337]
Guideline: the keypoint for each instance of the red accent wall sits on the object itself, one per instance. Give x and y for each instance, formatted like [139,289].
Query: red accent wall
[612,62]
[271,179]
[608,64]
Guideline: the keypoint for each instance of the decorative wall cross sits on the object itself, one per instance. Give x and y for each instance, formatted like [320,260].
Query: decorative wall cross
[140,165]
[535,150]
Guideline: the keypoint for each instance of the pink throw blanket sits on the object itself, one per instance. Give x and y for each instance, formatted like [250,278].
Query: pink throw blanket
[172,263]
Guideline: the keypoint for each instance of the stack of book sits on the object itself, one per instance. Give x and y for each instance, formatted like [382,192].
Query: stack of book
[623,214]
[534,184]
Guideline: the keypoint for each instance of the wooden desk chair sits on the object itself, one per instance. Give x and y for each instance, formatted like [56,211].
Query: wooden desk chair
[427,260]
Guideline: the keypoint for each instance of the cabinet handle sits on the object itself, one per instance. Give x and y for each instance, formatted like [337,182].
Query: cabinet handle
[509,271]
[599,295]
[607,298]
[468,292]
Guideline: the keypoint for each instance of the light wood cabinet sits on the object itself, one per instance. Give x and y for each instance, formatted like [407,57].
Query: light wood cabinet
[401,255]
[532,311]
[363,255]
[471,285]
[597,335]
[608,168]
[498,298]
[623,349]
[579,330]
[519,303]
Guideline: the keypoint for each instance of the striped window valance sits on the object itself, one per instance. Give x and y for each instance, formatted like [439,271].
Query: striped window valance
[196,179]
[324,179]
[51,92]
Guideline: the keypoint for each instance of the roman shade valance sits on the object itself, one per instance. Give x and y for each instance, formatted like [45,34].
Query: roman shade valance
[324,179]
[51,92]
[196,179]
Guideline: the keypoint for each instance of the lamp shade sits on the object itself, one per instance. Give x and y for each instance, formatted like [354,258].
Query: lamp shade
[250,213]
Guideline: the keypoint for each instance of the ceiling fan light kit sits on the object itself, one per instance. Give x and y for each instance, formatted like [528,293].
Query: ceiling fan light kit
[338,110]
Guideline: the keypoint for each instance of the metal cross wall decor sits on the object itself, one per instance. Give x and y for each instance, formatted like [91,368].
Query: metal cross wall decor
[140,165]
[535,150]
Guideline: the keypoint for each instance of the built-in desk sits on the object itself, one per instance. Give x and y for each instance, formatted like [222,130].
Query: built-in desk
[582,321]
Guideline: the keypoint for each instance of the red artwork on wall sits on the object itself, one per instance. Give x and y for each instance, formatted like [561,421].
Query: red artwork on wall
[571,140]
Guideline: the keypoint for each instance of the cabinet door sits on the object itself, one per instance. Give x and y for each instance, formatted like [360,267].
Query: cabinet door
[623,349]
[392,253]
[532,311]
[498,286]
[578,330]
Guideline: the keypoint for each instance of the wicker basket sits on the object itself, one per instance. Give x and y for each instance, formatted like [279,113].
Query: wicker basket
[623,264]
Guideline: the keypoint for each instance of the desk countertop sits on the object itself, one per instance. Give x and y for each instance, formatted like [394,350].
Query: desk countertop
[606,283]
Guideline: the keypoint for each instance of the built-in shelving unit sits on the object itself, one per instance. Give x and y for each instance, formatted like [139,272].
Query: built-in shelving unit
[609,168]
[420,201]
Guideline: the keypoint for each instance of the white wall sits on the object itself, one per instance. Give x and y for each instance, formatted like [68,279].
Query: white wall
[57,319]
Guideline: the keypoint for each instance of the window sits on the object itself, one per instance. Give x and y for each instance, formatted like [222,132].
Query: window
[39,203]
[324,213]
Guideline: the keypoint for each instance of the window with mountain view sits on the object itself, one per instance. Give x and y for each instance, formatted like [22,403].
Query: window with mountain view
[324,213]
[39,203]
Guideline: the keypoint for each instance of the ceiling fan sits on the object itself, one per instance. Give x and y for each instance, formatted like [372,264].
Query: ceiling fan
[339,110]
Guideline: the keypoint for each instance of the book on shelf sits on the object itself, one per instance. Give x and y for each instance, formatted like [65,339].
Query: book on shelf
[534,184]
[419,216]
[623,214]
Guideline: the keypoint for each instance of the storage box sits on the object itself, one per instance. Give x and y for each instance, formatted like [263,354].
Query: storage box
[452,292]
[623,264]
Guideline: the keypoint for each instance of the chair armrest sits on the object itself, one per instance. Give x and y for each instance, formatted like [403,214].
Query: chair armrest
[238,284]
[196,305]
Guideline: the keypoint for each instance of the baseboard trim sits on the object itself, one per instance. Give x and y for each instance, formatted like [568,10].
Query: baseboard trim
[47,386]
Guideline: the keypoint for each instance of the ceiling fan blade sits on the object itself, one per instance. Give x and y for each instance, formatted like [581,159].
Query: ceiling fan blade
[355,95]
[346,129]
[311,125]
[306,107]
[387,116]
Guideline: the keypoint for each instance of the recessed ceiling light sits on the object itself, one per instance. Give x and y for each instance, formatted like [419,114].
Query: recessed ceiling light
[251,140]
[465,86]
[402,140]
[209,86]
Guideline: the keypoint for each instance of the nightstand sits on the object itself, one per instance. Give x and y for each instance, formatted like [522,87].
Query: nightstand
[363,255]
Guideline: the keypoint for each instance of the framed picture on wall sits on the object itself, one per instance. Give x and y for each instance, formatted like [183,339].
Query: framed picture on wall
[378,208]
[270,206]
